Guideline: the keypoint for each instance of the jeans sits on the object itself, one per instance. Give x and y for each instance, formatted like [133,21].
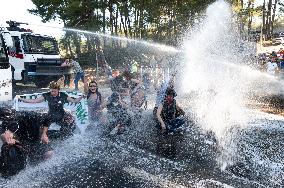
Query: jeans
[67,78]
[175,124]
[78,76]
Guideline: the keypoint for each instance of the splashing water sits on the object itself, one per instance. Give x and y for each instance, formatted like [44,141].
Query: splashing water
[218,75]
[216,71]
[212,71]
[161,47]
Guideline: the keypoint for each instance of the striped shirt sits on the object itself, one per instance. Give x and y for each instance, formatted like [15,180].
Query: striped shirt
[76,66]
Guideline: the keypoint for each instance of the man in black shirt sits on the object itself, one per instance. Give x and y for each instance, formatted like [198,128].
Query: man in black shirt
[56,112]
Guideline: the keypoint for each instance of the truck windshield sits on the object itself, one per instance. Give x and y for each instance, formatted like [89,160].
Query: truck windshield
[39,45]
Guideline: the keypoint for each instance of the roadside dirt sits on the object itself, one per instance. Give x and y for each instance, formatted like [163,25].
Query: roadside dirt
[268,49]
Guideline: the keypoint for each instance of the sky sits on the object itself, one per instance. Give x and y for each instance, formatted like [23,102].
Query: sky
[17,10]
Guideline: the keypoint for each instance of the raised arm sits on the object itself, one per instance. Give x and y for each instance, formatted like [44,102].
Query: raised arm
[37,100]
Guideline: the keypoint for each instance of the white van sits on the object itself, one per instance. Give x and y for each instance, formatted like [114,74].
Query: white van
[5,75]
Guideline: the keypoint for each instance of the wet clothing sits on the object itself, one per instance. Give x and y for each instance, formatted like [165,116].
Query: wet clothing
[67,78]
[13,159]
[55,105]
[94,107]
[161,92]
[118,114]
[26,127]
[137,100]
[146,82]
[118,84]
[171,116]
[67,126]
[57,114]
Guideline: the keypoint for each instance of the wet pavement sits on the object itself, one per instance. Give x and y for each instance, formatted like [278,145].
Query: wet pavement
[141,157]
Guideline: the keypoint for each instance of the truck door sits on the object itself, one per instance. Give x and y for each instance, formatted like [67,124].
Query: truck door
[6,74]
[16,58]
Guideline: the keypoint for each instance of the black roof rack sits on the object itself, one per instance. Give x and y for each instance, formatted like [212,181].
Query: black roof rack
[13,26]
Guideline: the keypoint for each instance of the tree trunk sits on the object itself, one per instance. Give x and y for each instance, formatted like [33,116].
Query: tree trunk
[77,41]
[110,9]
[116,21]
[273,16]
[123,25]
[263,31]
[241,18]
[250,8]
[268,19]
[136,20]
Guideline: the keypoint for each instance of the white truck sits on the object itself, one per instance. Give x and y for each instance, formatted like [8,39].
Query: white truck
[32,57]
[5,73]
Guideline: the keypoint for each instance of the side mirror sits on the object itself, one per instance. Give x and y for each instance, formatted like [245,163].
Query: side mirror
[8,39]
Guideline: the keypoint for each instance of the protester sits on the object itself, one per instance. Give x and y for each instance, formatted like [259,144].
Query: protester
[21,133]
[119,84]
[107,69]
[117,110]
[168,83]
[95,101]
[272,68]
[168,113]
[79,73]
[56,113]
[137,95]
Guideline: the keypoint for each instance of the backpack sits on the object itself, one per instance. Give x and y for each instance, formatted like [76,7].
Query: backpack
[13,159]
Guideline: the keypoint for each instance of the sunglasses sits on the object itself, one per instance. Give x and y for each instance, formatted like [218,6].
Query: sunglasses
[93,86]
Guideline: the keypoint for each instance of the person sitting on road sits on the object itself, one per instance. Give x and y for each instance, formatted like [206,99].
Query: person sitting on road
[21,136]
[168,113]
[56,113]
[119,84]
[117,110]
[137,95]
[95,101]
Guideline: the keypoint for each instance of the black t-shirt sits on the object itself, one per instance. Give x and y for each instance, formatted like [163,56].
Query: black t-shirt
[169,111]
[56,104]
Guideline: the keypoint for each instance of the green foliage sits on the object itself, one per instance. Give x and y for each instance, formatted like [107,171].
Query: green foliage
[162,21]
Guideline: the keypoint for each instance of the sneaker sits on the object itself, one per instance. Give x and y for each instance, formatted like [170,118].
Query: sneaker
[114,131]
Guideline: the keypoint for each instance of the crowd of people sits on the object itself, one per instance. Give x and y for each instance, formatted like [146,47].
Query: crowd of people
[272,63]
[27,133]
